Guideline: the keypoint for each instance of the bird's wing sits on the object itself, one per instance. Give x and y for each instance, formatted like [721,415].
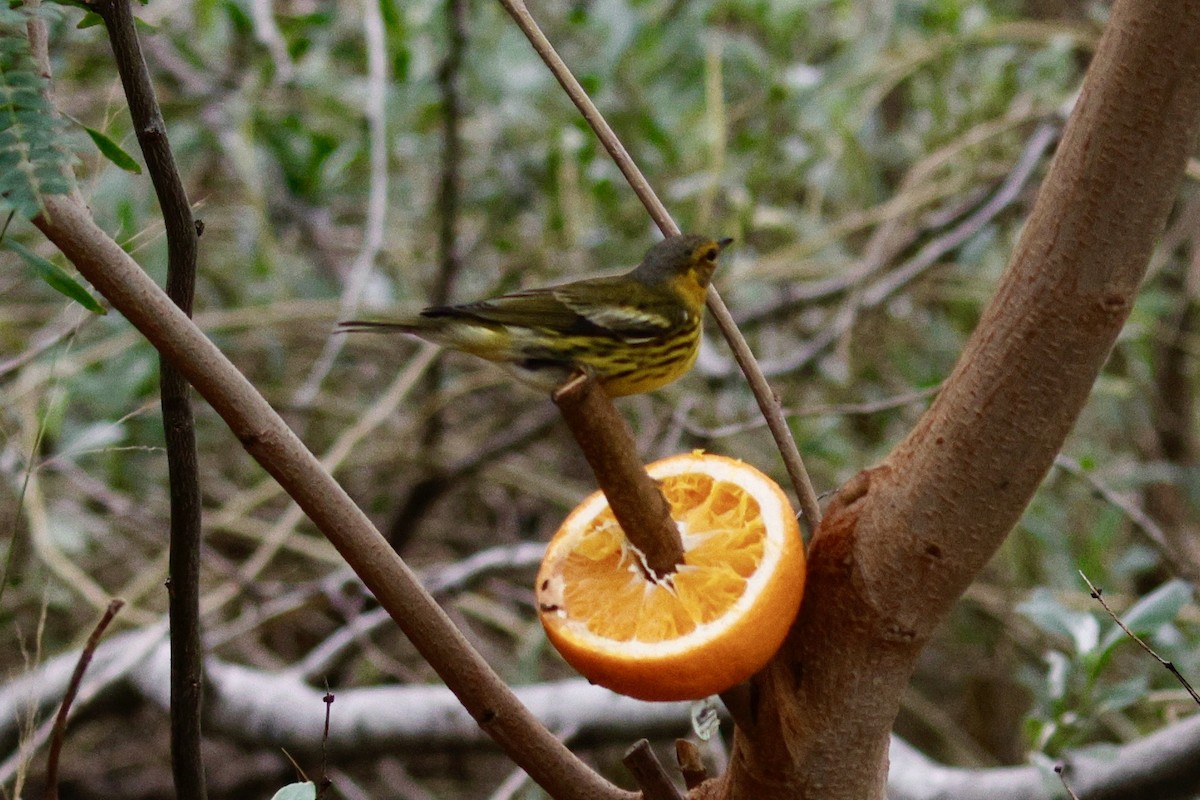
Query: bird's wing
[593,307]
[608,308]
[536,308]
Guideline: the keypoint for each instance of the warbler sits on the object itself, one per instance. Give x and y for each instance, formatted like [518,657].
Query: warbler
[633,333]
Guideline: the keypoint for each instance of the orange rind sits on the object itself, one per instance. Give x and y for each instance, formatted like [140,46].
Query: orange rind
[711,624]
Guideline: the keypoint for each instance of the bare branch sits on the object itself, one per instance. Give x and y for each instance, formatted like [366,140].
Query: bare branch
[179,427]
[1098,595]
[687,755]
[60,721]
[636,500]
[902,541]
[768,403]
[269,440]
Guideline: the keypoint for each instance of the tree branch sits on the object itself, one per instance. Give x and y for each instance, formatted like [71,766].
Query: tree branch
[255,706]
[60,720]
[902,541]
[768,403]
[649,773]
[179,428]
[634,497]
[268,439]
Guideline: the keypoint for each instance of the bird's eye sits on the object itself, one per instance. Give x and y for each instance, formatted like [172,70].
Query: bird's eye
[711,254]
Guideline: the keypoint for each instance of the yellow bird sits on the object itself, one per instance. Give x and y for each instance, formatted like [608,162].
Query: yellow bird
[633,333]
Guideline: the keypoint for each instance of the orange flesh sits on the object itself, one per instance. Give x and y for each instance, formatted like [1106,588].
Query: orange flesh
[723,540]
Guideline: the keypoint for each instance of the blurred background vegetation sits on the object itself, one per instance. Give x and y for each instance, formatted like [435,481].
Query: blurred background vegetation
[874,161]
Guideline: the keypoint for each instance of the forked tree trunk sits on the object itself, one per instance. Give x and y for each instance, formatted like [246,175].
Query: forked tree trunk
[902,541]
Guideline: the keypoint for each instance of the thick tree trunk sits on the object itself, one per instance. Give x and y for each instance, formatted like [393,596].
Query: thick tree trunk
[903,540]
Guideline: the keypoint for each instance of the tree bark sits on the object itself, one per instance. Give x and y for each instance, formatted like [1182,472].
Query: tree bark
[902,541]
[263,433]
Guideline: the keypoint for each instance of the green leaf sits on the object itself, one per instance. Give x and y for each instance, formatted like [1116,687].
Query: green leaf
[1158,608]
[1153,611]
[90,20]
[113,151]
[1043,610]
[1120,696]
[33,163]
[59,280]
[297,791]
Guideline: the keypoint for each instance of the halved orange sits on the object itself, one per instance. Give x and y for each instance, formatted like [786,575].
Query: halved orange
[714,622]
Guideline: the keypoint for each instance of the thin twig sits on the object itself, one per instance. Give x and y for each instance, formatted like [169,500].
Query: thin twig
[67,222]
[768,403]
[60,722]
[1134,514]
[375,111]
[931,253]
[635,498]
[182,231]
[1098,594]
[132,654]
[1061,771]
[833,409]
[323,780]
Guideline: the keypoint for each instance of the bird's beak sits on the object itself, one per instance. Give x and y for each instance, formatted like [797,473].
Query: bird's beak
[723,243]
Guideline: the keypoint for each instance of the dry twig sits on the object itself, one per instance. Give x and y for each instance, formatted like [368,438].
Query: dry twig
[768,403]
[1098,595]
[60,721]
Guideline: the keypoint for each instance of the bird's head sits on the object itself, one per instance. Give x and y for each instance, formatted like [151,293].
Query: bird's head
[684,263]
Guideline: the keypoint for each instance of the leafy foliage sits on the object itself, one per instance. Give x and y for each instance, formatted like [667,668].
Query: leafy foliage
[113,151]
[1075,692]
[33,162]
[834,140]
[57,279]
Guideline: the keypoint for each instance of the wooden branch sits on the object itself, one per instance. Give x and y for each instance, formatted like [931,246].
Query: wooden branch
[64,709]
[251,705]
[901,542]
[649,773]
[179,428]
[1098,596]
[67,223]
[635,498]
[691,766]
[768,402]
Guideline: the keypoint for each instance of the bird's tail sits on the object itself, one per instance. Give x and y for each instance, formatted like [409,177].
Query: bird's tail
[374,326]
[486,341]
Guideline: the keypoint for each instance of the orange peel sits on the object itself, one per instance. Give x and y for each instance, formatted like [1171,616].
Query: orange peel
[708,626]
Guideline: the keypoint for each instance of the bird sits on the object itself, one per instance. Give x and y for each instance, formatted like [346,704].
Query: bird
[632,333]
